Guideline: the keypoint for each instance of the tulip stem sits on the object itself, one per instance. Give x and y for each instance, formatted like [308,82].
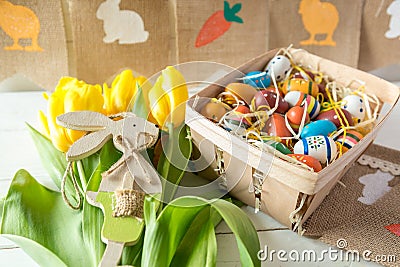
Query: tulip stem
[168,150]
[82,175]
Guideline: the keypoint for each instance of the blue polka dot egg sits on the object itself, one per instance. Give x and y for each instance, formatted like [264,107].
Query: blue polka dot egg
[257,79]
[355,105]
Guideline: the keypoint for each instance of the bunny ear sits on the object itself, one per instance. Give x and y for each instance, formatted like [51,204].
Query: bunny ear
[145,175]
[83,121]
[88,145]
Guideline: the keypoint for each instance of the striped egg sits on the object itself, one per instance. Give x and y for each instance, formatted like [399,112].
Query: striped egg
[323,148]
[296,98]
[301,85]
[351,139]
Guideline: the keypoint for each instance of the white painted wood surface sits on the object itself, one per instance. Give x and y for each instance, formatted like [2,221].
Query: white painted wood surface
[18,151]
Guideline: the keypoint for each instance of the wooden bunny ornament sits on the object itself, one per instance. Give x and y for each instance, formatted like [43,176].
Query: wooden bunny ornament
[123,186]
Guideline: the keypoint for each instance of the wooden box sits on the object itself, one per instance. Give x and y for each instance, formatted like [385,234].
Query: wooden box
[289,193]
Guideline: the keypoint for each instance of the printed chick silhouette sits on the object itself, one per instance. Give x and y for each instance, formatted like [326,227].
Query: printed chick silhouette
[319,18]
[19,22]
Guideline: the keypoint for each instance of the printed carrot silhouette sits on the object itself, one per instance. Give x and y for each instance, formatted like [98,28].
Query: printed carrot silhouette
[394,228]
[218,23]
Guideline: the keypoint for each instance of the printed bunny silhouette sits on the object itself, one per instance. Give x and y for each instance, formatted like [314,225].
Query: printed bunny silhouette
[130,135]
[376,185]
[319,18]
[19,22]
[126,26]
[394,24]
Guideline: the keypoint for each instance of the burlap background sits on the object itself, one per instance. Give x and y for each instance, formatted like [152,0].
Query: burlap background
[342,216]
[241,42]
[375,49]
[286,27]
[97,61]
[46,67]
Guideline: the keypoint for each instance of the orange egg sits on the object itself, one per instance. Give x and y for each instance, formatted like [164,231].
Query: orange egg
[242,109]
[308,160]
[294,116]
[242,91]
[276,126]
[304,86]
[214,111]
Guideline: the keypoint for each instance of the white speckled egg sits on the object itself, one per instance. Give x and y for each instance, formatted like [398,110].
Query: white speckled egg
[355,105]
[323,148]
[281,66]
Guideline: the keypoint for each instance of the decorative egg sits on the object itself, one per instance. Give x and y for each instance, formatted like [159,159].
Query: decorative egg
[351,139]
[307,75]
[301,85]
[242,91]
[242,109]
[333,117]
[214,111]
[276,126]
[267,98]
[308,160]
[278,146]
[322,127]
[280,65]
[323,148]
[296,98]
[355,105]
[257,79]
[235,121]
[294,116]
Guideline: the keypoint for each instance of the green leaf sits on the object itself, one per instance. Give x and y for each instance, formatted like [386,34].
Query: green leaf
[177,149]
[166,235]
[140,108]
[230,12]
[93,217]
[40,214]
[199,246]
[53,161]
[1,207]
[243,229]
[131,255]
[89,165]
[38,253]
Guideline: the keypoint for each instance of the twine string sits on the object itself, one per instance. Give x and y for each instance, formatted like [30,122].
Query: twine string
[69,171]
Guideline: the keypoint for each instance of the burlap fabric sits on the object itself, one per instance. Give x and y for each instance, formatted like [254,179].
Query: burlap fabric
[343,216]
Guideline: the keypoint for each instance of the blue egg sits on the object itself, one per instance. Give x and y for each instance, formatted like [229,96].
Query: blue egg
[321,127]
[257,79]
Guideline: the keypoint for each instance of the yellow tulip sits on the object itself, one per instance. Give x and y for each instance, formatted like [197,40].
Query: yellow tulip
[118,98]
[167,98]
[69,95]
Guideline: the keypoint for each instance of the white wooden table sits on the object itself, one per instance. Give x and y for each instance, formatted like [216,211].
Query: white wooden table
[18,151]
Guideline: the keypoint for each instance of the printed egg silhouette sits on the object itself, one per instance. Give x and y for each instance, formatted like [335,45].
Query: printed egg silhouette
[19,22]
